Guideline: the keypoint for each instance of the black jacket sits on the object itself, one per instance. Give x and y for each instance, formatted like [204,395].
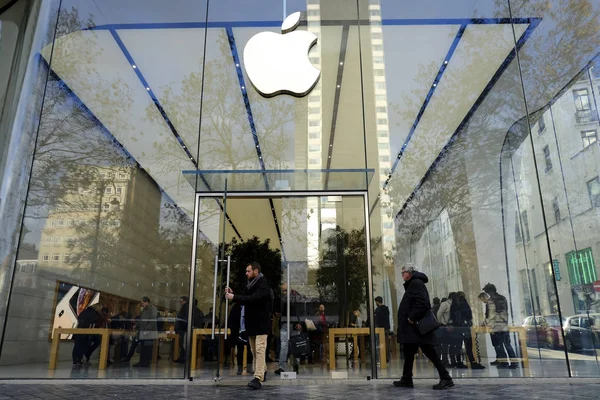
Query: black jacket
[257,302]
[88,318]
[414,305]
[382,317]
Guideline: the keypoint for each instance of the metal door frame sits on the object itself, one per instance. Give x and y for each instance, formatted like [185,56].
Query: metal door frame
[283,194]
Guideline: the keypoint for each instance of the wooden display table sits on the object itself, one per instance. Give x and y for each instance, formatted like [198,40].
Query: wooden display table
[355,333]
[513,329]
[198,334]
[105,339]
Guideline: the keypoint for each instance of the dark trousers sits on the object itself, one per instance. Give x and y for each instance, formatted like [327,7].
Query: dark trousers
[80,346]
[468,340]
[444,336]
[410,349]
[146,352]
[501,340]
[95,341]
[240,354]
[181,345]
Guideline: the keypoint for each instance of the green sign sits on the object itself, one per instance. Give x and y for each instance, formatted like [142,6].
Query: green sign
[556,265]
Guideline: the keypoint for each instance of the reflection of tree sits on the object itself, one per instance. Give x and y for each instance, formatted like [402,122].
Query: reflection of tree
[343,273]
[253,249]
[77,159]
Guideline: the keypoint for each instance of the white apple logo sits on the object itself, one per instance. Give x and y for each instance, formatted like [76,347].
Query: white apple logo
[278,64]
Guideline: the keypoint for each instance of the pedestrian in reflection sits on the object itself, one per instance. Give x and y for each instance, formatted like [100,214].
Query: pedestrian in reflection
[256,301]
[497,321]
[414,306]
[181,323]
[445,331]
[295,329]
[462,321]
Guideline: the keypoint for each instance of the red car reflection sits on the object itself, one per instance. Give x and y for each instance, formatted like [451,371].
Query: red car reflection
[544,331]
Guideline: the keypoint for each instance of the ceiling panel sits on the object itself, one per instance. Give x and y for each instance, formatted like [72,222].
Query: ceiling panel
[478,56]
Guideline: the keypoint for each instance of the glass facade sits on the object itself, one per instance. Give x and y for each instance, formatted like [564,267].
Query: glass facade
[139,160]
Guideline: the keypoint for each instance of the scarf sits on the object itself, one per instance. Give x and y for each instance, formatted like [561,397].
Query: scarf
[253,281]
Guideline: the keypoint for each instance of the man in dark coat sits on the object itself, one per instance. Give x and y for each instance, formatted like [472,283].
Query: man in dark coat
[414,306]
[256,300]
[382,320]
[181,324]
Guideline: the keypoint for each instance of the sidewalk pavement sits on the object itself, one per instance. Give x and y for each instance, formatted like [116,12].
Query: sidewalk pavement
[480,389]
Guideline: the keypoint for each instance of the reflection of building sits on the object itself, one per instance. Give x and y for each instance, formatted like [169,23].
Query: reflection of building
[91,210]
[565,137]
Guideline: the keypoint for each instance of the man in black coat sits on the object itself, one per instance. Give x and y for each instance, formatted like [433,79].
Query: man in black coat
[382,320]
[256,300]
[414,306]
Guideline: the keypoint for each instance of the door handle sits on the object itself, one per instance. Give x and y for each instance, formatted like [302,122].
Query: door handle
[226,299]
[215,296]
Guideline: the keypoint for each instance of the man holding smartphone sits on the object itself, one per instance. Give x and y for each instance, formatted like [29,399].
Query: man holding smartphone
[256,300]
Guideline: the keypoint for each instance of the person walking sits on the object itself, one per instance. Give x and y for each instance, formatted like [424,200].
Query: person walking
[256,300]
[414,306]
[445,332]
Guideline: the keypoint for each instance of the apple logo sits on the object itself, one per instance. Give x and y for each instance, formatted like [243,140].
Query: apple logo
[278,63]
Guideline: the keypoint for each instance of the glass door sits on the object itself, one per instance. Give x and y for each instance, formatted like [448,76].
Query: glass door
[314,253]
[209,333]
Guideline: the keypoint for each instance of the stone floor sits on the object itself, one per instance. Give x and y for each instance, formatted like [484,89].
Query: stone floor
[480,389]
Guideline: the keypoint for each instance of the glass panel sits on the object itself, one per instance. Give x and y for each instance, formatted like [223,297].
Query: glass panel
[459,193]
[108,219]
[559,64]
[279,180]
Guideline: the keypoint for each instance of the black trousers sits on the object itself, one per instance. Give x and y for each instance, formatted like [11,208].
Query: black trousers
[146,352]
[95,341]
[80,346]
[240,353]
[410,349]
[501,340]
[181,345]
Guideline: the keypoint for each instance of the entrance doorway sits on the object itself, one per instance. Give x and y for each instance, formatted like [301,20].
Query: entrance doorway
[314,250]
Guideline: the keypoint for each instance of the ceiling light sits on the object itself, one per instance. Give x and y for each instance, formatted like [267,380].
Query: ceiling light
[237,65]
[342,63]
[445,62]
[134,66]
[148,89]
[435,84]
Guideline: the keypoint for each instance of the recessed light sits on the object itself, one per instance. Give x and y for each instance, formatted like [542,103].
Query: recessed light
[445,62]
[148,89]
[134,66]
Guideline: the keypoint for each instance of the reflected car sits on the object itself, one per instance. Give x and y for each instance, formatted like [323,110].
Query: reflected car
[544,331]
[554,336]
[582,332]
[535,328]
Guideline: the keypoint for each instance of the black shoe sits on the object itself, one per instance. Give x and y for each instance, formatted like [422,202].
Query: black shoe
[265,377]
[503,365]
[77,364]
[444,384]
[296,368]
[477,366]
[404,382]
[513,366]
[254,384]
[278,371]
[496,362]
[460,365]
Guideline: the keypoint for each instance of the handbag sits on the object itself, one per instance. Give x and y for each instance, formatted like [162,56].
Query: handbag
[428,323]
[310,325]
[300,345]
